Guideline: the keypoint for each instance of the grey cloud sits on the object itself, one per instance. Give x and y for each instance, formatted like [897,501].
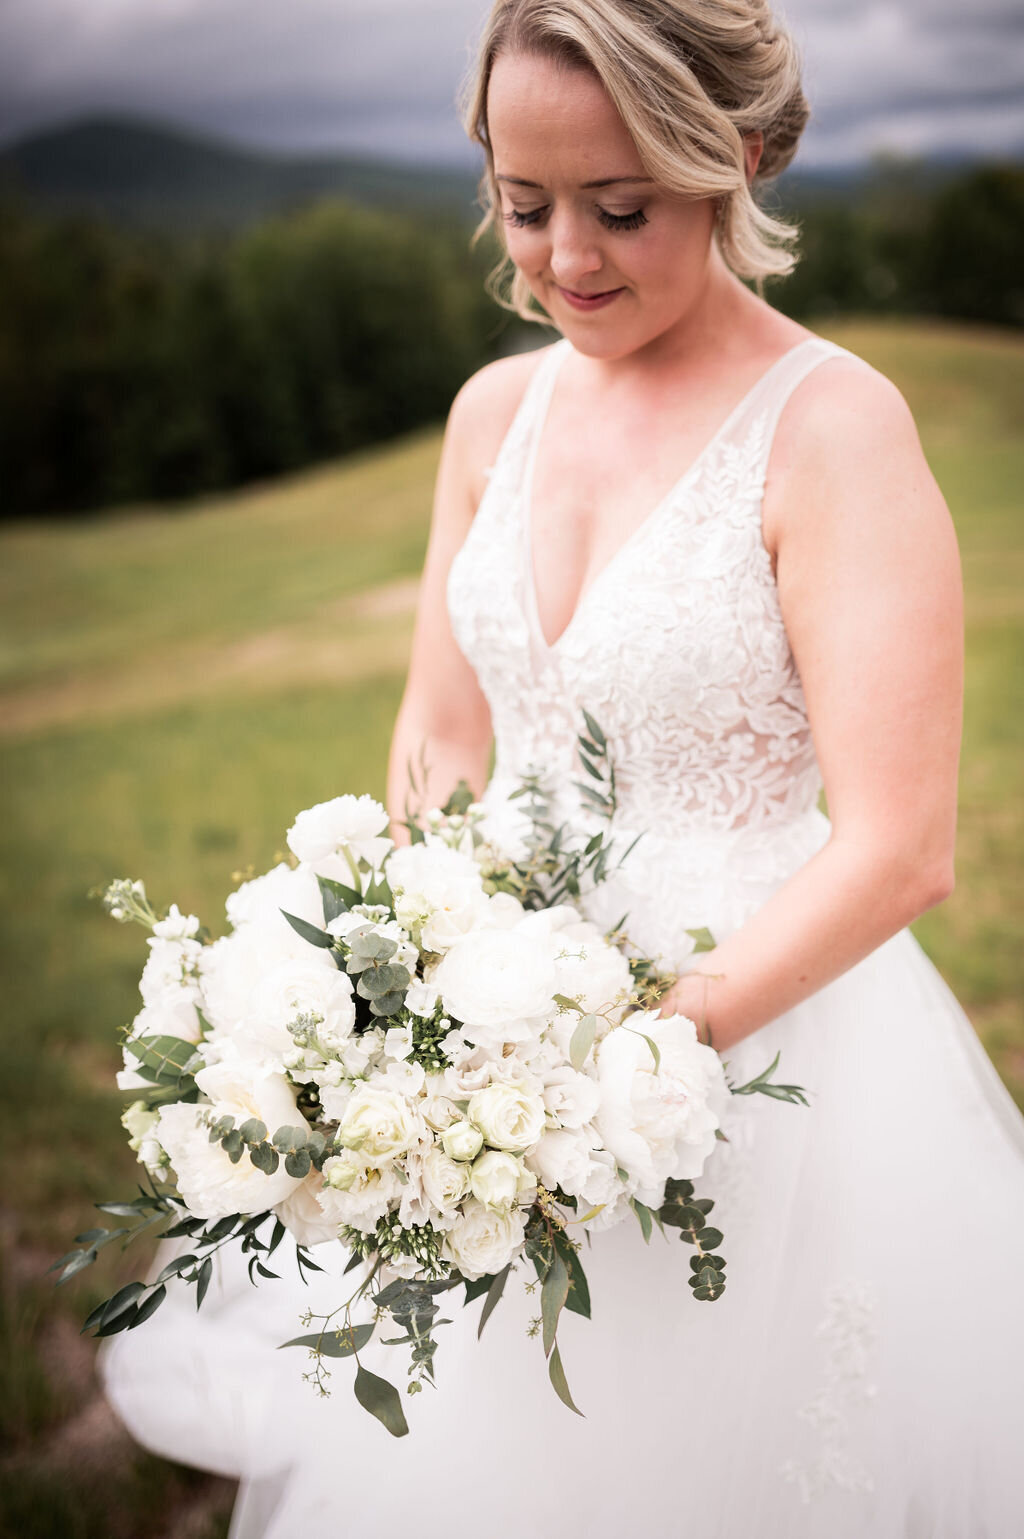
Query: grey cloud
[381,75]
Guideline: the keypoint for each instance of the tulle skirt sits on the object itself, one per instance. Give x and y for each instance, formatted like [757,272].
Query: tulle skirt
[861,1377]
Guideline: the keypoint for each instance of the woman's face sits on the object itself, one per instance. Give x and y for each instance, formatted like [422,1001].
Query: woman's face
[553,130]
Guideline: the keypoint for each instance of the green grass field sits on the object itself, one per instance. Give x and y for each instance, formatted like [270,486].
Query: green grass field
[175,684]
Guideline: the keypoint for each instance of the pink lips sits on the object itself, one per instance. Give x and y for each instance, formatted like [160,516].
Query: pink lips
[589,301]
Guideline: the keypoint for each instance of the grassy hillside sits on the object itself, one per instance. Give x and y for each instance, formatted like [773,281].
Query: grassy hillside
[174,685]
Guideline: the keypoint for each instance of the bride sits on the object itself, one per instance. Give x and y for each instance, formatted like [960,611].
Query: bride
[717,532]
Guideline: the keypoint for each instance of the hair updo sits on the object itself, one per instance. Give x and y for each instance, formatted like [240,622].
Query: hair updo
[688,78]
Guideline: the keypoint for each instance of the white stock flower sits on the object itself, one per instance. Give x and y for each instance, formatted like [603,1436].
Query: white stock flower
[176,926]
[353,822]
[484,1240]
[379,1124]
[508,1116]
[498,983]
[170,969]
[659,1125]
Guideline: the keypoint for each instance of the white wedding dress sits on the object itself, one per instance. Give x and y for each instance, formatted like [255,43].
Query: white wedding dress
[862,1376]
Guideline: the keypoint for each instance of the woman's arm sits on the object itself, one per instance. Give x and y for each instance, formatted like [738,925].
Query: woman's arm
[868,575]
[443,715]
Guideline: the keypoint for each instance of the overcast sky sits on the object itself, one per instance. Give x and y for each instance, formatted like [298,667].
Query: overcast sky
[910,76]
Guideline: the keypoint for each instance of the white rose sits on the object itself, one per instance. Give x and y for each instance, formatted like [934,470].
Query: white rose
[496,982]
[508,1116]
[660,1124]
[462,1141]
[353,822]
[302,1215]
[497,1179]
[438,1110]
[484,1240]
[379,1123]
[445,1181]
[209,1184]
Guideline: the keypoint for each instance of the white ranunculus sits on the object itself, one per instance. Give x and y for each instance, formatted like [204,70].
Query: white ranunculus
[508,1116]
[353,822]
[438,891]
[497,983]
[302,1215]
[445,1181]
[569,1097]
[660,1124]
[462,1141]
[300,986]
[498,1179]
[379,1123]
[484,1240]
[209,1184]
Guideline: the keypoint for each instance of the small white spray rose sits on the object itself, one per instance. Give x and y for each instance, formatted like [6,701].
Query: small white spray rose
[498,1178]
[484,1240]
[379,1123]
[462,1141]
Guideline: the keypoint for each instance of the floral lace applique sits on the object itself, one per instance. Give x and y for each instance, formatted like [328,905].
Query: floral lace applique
[849,1334]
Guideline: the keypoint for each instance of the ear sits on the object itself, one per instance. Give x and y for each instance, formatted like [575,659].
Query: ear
[753,149]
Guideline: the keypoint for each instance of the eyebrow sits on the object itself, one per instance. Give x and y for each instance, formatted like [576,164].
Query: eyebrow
[605,181]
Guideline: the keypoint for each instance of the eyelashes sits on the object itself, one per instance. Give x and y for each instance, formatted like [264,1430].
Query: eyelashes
[610,221]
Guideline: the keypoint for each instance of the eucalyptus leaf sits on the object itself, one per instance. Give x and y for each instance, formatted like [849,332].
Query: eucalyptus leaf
[582,1040]
[553,1294]
[494,1293]
[382,1400]
[556,1373]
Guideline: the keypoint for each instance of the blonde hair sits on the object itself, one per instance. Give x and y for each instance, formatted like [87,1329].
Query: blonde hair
[688,78]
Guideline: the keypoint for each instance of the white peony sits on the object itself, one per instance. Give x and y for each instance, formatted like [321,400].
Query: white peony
[484,1240]
[379,1123]
[662,1124]
[356,823]
[563,1159]
[261,900]
[171,1014]
[209,1184]
[509,1116]
[302,1215]
[497,983]
[438,891]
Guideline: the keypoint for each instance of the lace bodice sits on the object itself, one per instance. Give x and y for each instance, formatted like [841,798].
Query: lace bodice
[677,648]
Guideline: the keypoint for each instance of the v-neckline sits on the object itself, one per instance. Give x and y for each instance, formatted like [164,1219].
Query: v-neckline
[526,489]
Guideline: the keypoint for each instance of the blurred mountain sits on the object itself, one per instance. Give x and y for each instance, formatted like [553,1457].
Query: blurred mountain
[135,172]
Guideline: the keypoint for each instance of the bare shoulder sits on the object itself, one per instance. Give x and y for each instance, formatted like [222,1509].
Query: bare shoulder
[846,436]
[482,411]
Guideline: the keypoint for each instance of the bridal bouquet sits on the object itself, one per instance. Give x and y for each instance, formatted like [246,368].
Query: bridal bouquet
[424,1052]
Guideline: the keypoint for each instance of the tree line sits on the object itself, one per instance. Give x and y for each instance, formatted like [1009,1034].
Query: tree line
[138,367]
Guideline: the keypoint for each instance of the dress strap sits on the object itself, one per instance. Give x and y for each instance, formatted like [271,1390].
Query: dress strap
[765,405]
[531,405]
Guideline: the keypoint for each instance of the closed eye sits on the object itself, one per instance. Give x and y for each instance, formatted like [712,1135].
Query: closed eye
[611,221]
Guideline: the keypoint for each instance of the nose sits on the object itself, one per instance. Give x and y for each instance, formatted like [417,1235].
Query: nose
[575,253]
